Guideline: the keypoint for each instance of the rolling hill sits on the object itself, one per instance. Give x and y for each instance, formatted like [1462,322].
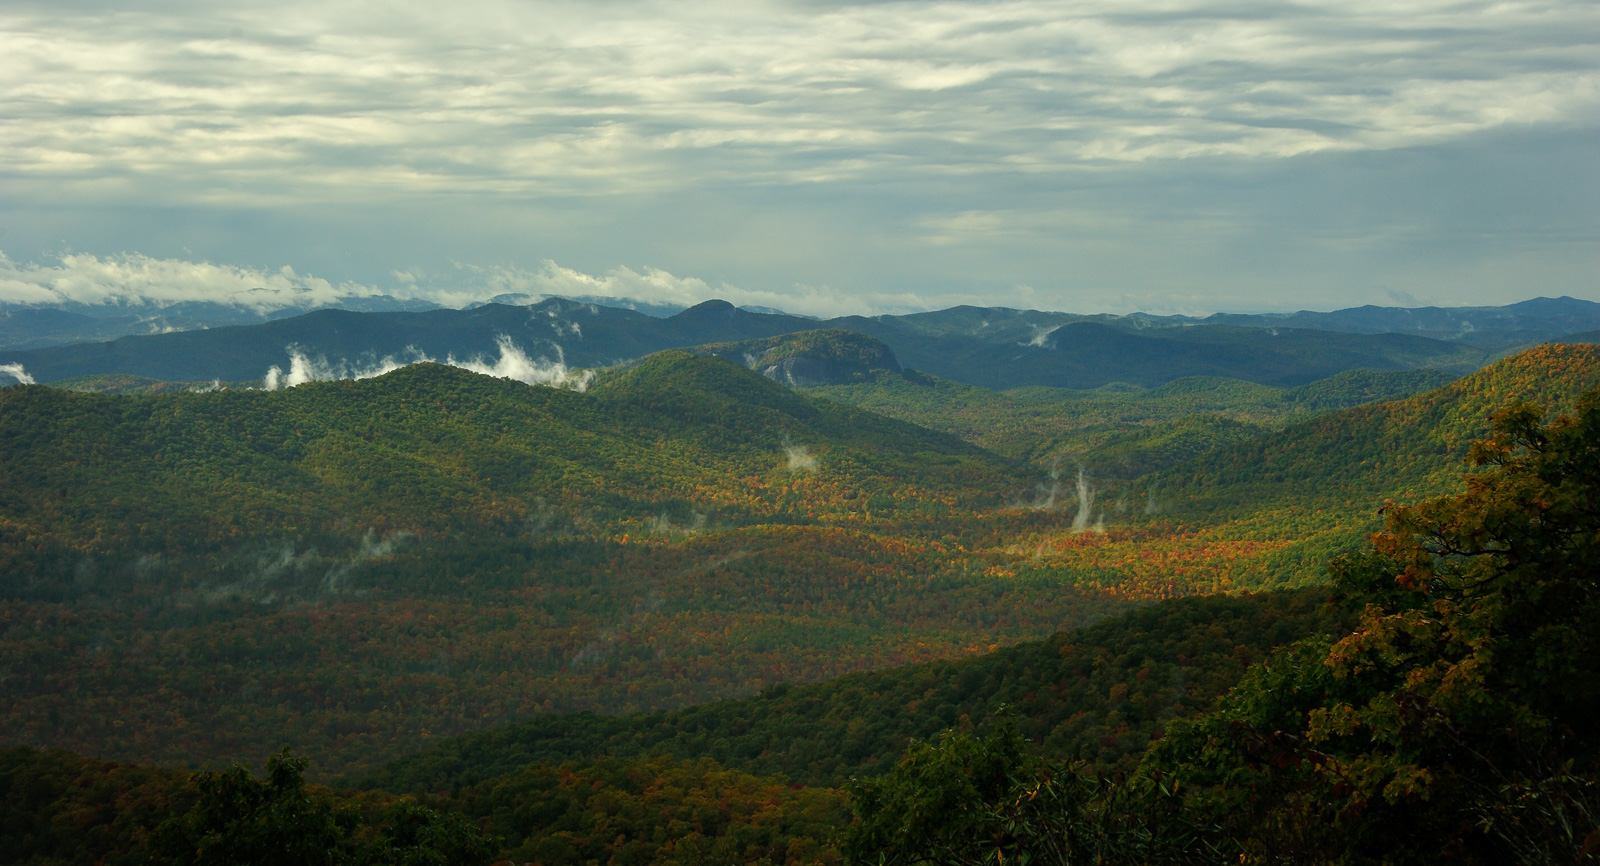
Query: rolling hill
[1098,427]
[1398,449]
[1270,510]
[362,565]
[428,447]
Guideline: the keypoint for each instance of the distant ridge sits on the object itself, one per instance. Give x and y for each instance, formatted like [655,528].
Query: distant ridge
[991,347]
[1532,321]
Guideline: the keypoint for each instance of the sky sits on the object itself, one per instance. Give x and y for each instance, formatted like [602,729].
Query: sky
[820,157]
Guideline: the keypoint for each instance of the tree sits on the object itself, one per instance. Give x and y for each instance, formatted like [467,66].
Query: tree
[1460,717]
[972,800]
[261,822]
[243,821]
[414,835]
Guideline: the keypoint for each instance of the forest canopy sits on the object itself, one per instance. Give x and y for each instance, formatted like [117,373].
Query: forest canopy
[1456,721]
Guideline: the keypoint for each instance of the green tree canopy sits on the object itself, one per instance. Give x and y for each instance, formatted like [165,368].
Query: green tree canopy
[240,820]
[1459,718]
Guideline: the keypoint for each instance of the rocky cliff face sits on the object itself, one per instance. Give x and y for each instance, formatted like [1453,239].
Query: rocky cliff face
[810,358]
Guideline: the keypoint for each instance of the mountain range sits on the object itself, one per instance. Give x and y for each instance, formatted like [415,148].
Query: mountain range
[989,347]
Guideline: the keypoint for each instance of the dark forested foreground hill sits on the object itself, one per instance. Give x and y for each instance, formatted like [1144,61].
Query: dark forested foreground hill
[700,785]
[1100,694]
[991,347]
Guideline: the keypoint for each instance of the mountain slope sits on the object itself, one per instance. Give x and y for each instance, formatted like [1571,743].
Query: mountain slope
[1401,449]
[354,566]
[430,447]
[810,358]
[1049,424]
[1099,694]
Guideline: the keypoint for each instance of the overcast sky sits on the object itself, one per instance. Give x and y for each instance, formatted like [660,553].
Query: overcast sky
[1086,155]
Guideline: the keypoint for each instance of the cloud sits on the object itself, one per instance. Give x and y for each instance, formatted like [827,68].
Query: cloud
[332,100]
[823,157]
[305,368]
[16,372]
[801,460]
[138,281]
[511,363]
[658,286]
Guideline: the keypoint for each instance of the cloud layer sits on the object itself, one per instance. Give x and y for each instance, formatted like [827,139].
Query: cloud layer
[833,156]
[358,98]
[134,280]
[141,281]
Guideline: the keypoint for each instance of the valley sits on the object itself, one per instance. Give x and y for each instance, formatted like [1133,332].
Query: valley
[771,559]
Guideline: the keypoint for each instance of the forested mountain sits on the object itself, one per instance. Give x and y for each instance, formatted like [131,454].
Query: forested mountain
[366,564]
[1120,430]
[429,447]
[369,564]
[811,358]
[1437,702]
[1270,510]
[992,347]
[1531,321]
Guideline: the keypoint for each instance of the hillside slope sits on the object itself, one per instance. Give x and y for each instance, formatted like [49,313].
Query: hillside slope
[810,358]
[353,566]
[1104,427]
[1406,448]
[427,448]
[1098,694]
